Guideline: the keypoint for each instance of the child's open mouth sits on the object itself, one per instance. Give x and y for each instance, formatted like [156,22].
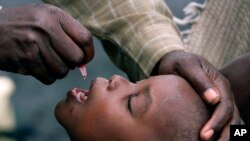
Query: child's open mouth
[77,94]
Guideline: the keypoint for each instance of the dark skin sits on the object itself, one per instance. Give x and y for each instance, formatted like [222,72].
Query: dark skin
[238,73]
[204,77]
[116,109]
[173,108]
[45,42]
[42,41]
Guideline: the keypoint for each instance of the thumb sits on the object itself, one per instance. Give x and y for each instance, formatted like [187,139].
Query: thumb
[211,95]
[202,83]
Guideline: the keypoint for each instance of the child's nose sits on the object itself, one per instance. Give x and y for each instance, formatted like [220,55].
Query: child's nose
[116,81]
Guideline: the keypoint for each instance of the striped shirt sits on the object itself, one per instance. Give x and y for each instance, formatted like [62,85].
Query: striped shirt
[135,33]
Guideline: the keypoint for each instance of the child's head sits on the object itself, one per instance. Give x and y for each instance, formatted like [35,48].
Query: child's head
[160,108]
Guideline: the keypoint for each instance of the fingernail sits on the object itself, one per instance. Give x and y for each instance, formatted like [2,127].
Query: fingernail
[208,134]
[211,96]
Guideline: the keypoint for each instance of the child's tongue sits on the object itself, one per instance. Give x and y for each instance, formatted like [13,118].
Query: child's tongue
[83,71]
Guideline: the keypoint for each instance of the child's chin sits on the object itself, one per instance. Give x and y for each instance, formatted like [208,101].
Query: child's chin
[60,112]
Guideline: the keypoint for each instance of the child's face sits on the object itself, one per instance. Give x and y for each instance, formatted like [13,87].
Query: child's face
[116,109]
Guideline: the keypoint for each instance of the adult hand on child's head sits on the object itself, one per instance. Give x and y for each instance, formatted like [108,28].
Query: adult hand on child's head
[207,81]
[43,41]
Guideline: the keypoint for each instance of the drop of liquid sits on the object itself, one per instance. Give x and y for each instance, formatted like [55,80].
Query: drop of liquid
[83,71]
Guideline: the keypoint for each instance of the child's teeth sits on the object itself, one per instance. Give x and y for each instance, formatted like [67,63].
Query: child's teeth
[81,96]
[85,97]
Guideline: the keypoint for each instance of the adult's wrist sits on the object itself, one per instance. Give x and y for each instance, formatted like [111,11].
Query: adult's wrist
[160,64]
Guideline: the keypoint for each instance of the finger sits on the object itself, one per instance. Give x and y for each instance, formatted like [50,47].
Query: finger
[52,61]
[215,123]
[211,96]
[79,34]
[66,48]
[225,135]
[222,113]
[242,122]
[200,80]
[37,69]
[30,60]
[236,120]
[40,72]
